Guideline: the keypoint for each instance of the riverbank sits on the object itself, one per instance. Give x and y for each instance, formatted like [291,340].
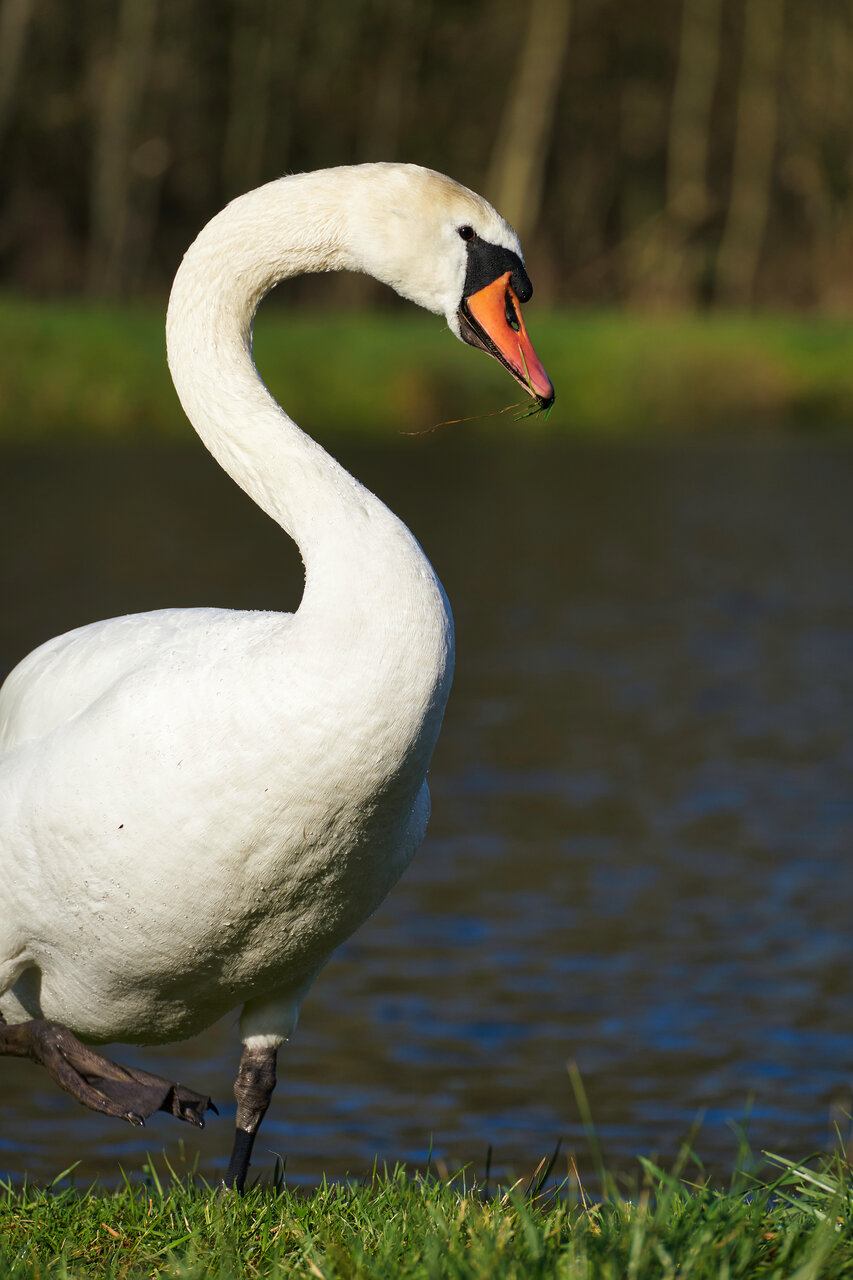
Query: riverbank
[85,371]
[794,1223]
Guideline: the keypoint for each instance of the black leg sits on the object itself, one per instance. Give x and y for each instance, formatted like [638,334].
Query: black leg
[105,1086]
[253,1090]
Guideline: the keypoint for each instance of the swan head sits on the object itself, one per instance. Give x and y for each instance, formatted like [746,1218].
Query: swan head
[446,249]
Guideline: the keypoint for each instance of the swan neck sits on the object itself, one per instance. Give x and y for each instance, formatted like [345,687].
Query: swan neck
[257,241]
[360,560]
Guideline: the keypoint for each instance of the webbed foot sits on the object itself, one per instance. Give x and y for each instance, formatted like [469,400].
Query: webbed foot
[103,1085]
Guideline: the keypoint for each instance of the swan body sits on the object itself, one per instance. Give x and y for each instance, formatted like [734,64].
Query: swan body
[198,805]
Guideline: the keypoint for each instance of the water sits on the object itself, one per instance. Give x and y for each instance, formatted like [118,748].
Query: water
[639,856]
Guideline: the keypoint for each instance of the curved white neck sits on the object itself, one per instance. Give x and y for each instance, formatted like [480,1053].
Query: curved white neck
[258,240]
[361,562]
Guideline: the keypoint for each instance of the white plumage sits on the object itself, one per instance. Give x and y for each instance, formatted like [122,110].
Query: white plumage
[197,806]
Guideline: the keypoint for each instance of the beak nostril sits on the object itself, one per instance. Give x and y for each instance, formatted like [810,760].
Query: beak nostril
[511,313]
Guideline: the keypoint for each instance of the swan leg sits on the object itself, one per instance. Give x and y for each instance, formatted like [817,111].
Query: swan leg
[105,1086]
[253,1090]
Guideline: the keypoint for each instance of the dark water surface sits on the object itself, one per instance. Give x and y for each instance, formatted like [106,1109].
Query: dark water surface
[640,852]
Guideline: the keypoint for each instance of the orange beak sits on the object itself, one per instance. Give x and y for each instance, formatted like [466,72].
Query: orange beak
[491,319]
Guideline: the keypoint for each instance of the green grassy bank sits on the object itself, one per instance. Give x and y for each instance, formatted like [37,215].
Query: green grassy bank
[78,370]
[797,1226]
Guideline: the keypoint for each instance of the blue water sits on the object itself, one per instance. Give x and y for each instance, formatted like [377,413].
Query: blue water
[640,852]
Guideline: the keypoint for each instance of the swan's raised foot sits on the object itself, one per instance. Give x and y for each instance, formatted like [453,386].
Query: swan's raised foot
[115,1090]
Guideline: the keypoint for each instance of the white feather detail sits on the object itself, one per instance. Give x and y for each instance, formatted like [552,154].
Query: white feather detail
[197,806]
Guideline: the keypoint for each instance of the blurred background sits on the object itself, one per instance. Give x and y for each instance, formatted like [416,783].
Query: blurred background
[686,160]
[643,813]
[686,153]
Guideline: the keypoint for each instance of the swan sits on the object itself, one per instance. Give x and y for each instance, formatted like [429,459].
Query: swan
[197,806]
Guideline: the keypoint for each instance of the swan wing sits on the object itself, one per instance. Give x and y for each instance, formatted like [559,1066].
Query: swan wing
[64,677]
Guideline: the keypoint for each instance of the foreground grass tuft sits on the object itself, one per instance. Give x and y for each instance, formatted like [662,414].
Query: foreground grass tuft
[796,1224]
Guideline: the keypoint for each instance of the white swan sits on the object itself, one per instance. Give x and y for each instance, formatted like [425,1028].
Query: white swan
[198,805]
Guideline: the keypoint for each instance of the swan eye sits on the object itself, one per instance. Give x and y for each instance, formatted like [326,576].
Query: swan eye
[467,233]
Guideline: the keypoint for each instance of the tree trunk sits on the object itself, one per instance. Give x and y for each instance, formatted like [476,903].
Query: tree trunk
[119,98]
[818,145]
[264,50]
[15,19]
[390,86]
[687,198]
[644,228]
[755,141]
[517,171]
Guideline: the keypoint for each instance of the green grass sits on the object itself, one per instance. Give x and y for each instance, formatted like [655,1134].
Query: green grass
[77,370]
[796,1224]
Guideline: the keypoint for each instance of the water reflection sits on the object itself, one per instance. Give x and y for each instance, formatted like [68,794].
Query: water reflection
[639,854]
